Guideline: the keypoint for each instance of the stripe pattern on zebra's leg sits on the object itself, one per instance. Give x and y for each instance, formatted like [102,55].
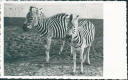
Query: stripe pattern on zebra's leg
[61,48]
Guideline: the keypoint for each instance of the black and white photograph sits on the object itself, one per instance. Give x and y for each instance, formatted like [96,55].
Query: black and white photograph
[60,39]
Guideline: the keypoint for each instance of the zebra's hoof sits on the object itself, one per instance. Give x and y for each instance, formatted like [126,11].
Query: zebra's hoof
[47,60]
[87,63]
[59,53]
[47,64]
[81,72]
[73,73]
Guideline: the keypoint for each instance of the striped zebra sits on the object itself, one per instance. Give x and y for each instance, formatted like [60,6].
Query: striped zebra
[54,27]
[82,37]
[58,27]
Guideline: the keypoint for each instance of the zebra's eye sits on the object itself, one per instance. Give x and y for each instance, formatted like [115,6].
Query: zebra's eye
[31,18]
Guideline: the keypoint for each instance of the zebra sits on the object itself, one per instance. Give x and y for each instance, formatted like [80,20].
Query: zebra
[82,38]
[59,26]
[54,27]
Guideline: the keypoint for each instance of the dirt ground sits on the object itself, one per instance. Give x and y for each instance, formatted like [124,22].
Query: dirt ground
[24,54]
[37,67]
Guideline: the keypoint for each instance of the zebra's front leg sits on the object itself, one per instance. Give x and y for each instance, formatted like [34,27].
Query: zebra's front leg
[61,48]
[47,47]
[82,59]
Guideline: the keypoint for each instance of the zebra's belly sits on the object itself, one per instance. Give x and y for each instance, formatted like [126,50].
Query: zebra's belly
[58,38]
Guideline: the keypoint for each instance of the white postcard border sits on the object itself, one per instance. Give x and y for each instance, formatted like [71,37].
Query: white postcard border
[111,69]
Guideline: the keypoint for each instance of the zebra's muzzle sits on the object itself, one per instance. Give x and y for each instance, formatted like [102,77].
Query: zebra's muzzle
[25,27]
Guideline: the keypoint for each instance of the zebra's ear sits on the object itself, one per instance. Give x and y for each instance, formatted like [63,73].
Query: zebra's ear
[71,17]
[30,9]
[33,9]
[76,17]
[41,11]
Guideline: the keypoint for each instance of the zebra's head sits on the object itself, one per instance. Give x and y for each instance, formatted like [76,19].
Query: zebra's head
[32,18]
[74,25]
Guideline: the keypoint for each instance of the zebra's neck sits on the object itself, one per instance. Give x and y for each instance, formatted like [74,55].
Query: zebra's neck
[41,27]
[77,40]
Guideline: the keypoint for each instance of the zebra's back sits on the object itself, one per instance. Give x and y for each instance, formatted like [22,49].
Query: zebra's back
[58,25]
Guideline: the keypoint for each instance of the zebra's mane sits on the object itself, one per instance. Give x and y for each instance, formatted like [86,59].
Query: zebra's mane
[57,15]
[54,16]
[45,19]
[82,22]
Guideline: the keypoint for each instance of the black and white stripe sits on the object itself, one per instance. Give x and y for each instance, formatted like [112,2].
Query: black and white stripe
[82,38]
[86,31]
[56,26]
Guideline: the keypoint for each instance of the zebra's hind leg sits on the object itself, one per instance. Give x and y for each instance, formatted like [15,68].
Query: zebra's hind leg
[74,61]
[86,56]
[61,48]
[47,47]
